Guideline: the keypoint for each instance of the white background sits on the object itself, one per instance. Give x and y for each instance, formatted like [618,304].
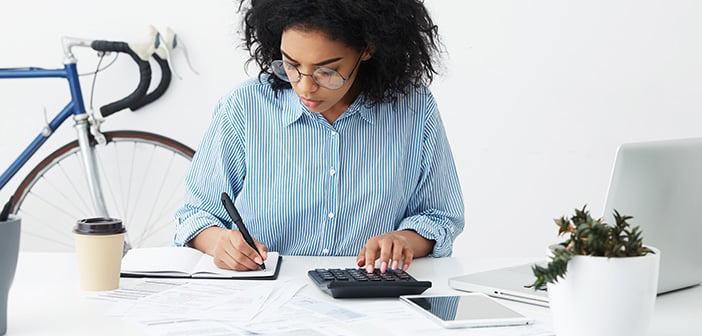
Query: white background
[536,95]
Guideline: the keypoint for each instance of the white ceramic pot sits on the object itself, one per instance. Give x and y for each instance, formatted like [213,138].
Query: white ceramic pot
[605,296]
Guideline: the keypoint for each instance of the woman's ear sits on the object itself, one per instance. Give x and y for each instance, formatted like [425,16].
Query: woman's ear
[367,53]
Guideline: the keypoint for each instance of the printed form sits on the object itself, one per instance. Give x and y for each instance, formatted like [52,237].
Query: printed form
[214,308]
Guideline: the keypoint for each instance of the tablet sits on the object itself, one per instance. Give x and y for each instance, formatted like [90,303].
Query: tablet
[466,310]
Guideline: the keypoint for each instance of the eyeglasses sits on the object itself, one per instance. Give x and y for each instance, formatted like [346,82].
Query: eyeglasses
[324,77]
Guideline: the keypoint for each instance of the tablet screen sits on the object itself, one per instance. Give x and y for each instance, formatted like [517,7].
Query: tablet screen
[464,307]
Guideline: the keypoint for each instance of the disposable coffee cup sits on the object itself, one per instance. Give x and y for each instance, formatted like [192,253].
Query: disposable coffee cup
[99,243]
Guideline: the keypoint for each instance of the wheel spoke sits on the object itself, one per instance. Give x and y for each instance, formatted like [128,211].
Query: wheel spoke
[142,176]
[50,224]
[156,229]
[108,182]
[145,174]
[159,193]
[121,209]
[75,207]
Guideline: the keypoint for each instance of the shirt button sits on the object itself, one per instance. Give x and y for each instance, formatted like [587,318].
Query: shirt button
[332,171]
[331,215]
[333,133]
[325,251]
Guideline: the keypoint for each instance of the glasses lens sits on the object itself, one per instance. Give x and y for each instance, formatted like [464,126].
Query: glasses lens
[285,71]
[328,78]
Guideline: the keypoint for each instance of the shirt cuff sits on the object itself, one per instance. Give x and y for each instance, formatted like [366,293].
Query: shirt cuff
[442,234]
[192,226]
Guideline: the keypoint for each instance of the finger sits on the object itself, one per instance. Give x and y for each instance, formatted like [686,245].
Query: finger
[397,254]
[361,258]
[409,254]
[262,249]
[249,257]
[222,254]
[224,258]
[230,264]
[385,252]
[221,263]
[371,250]
[243,253]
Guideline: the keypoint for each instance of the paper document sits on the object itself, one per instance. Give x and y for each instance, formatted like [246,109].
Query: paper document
[171,307]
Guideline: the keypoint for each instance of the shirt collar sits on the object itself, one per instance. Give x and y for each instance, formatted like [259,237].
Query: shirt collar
[293,109]
[365,111]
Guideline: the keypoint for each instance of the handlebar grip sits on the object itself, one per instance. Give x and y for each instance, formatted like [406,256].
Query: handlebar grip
[160,89]
[144,71]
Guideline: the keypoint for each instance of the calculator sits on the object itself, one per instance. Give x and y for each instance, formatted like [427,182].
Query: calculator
[357,283]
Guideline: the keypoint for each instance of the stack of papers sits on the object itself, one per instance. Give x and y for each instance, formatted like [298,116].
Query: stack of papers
[171,307]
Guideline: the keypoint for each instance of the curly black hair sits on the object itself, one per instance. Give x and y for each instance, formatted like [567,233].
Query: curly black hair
[401,34]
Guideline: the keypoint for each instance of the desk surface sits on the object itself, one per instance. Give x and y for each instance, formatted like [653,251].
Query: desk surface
[45,299]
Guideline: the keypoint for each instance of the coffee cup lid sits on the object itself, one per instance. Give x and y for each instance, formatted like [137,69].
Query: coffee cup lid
[99,226]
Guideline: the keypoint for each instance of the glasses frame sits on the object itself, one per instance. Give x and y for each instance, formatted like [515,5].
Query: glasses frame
[281,63]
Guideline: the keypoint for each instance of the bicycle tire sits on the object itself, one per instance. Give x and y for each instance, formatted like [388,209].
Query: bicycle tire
[54,195]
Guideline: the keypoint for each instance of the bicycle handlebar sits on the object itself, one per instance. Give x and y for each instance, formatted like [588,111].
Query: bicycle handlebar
[144,77]
[159,90]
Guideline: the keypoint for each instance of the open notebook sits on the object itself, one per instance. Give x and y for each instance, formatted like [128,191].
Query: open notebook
[659,183]
[186,262]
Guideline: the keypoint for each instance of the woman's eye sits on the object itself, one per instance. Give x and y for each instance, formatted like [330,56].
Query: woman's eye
[325,73]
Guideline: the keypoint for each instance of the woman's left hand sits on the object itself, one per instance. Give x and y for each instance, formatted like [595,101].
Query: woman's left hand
[393,247]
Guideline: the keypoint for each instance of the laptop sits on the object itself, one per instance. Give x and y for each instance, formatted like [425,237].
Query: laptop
[659,183]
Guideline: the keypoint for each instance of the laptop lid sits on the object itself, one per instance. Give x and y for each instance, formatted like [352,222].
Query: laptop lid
[659,183]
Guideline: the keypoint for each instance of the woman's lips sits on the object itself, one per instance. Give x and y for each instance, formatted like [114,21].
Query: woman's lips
[310,103]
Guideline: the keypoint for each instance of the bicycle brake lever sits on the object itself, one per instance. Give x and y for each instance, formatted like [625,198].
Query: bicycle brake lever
[164,51]
[171,41]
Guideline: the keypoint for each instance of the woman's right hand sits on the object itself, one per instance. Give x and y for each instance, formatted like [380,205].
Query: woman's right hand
[229,249]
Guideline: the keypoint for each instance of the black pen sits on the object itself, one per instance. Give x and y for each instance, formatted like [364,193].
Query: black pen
[234,215]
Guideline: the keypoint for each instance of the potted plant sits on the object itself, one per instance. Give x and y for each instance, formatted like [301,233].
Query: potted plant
[602,279]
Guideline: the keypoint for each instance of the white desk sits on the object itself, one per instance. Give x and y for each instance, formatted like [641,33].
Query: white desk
[45,299]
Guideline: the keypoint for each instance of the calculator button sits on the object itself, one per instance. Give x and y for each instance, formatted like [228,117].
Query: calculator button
[357,283]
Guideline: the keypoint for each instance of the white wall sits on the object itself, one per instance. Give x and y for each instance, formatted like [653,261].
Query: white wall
[535,95]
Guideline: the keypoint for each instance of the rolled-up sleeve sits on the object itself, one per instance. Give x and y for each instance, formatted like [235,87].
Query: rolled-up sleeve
[218,166]
[435,210]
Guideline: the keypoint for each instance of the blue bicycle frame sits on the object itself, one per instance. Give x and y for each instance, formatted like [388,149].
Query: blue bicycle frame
[76,108]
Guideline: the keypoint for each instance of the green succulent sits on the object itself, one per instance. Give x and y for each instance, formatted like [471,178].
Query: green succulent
[589,237]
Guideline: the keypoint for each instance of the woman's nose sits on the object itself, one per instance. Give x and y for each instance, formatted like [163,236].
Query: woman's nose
[307,84]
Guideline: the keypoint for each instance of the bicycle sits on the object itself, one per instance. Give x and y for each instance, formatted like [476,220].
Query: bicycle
[132,175]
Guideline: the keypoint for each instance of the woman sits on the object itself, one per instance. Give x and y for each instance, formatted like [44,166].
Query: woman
[337,148]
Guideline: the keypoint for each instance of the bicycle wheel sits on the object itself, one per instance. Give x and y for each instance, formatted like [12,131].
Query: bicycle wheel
[142,176]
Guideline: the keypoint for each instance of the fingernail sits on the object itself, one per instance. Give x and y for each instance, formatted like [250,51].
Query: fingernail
[369,268]
[383,267]
[258,260]
[405,267]
[394,264]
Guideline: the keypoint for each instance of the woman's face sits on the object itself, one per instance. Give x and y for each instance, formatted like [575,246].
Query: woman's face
[309,50]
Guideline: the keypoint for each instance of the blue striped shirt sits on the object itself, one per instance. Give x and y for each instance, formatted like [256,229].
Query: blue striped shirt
[307,187]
